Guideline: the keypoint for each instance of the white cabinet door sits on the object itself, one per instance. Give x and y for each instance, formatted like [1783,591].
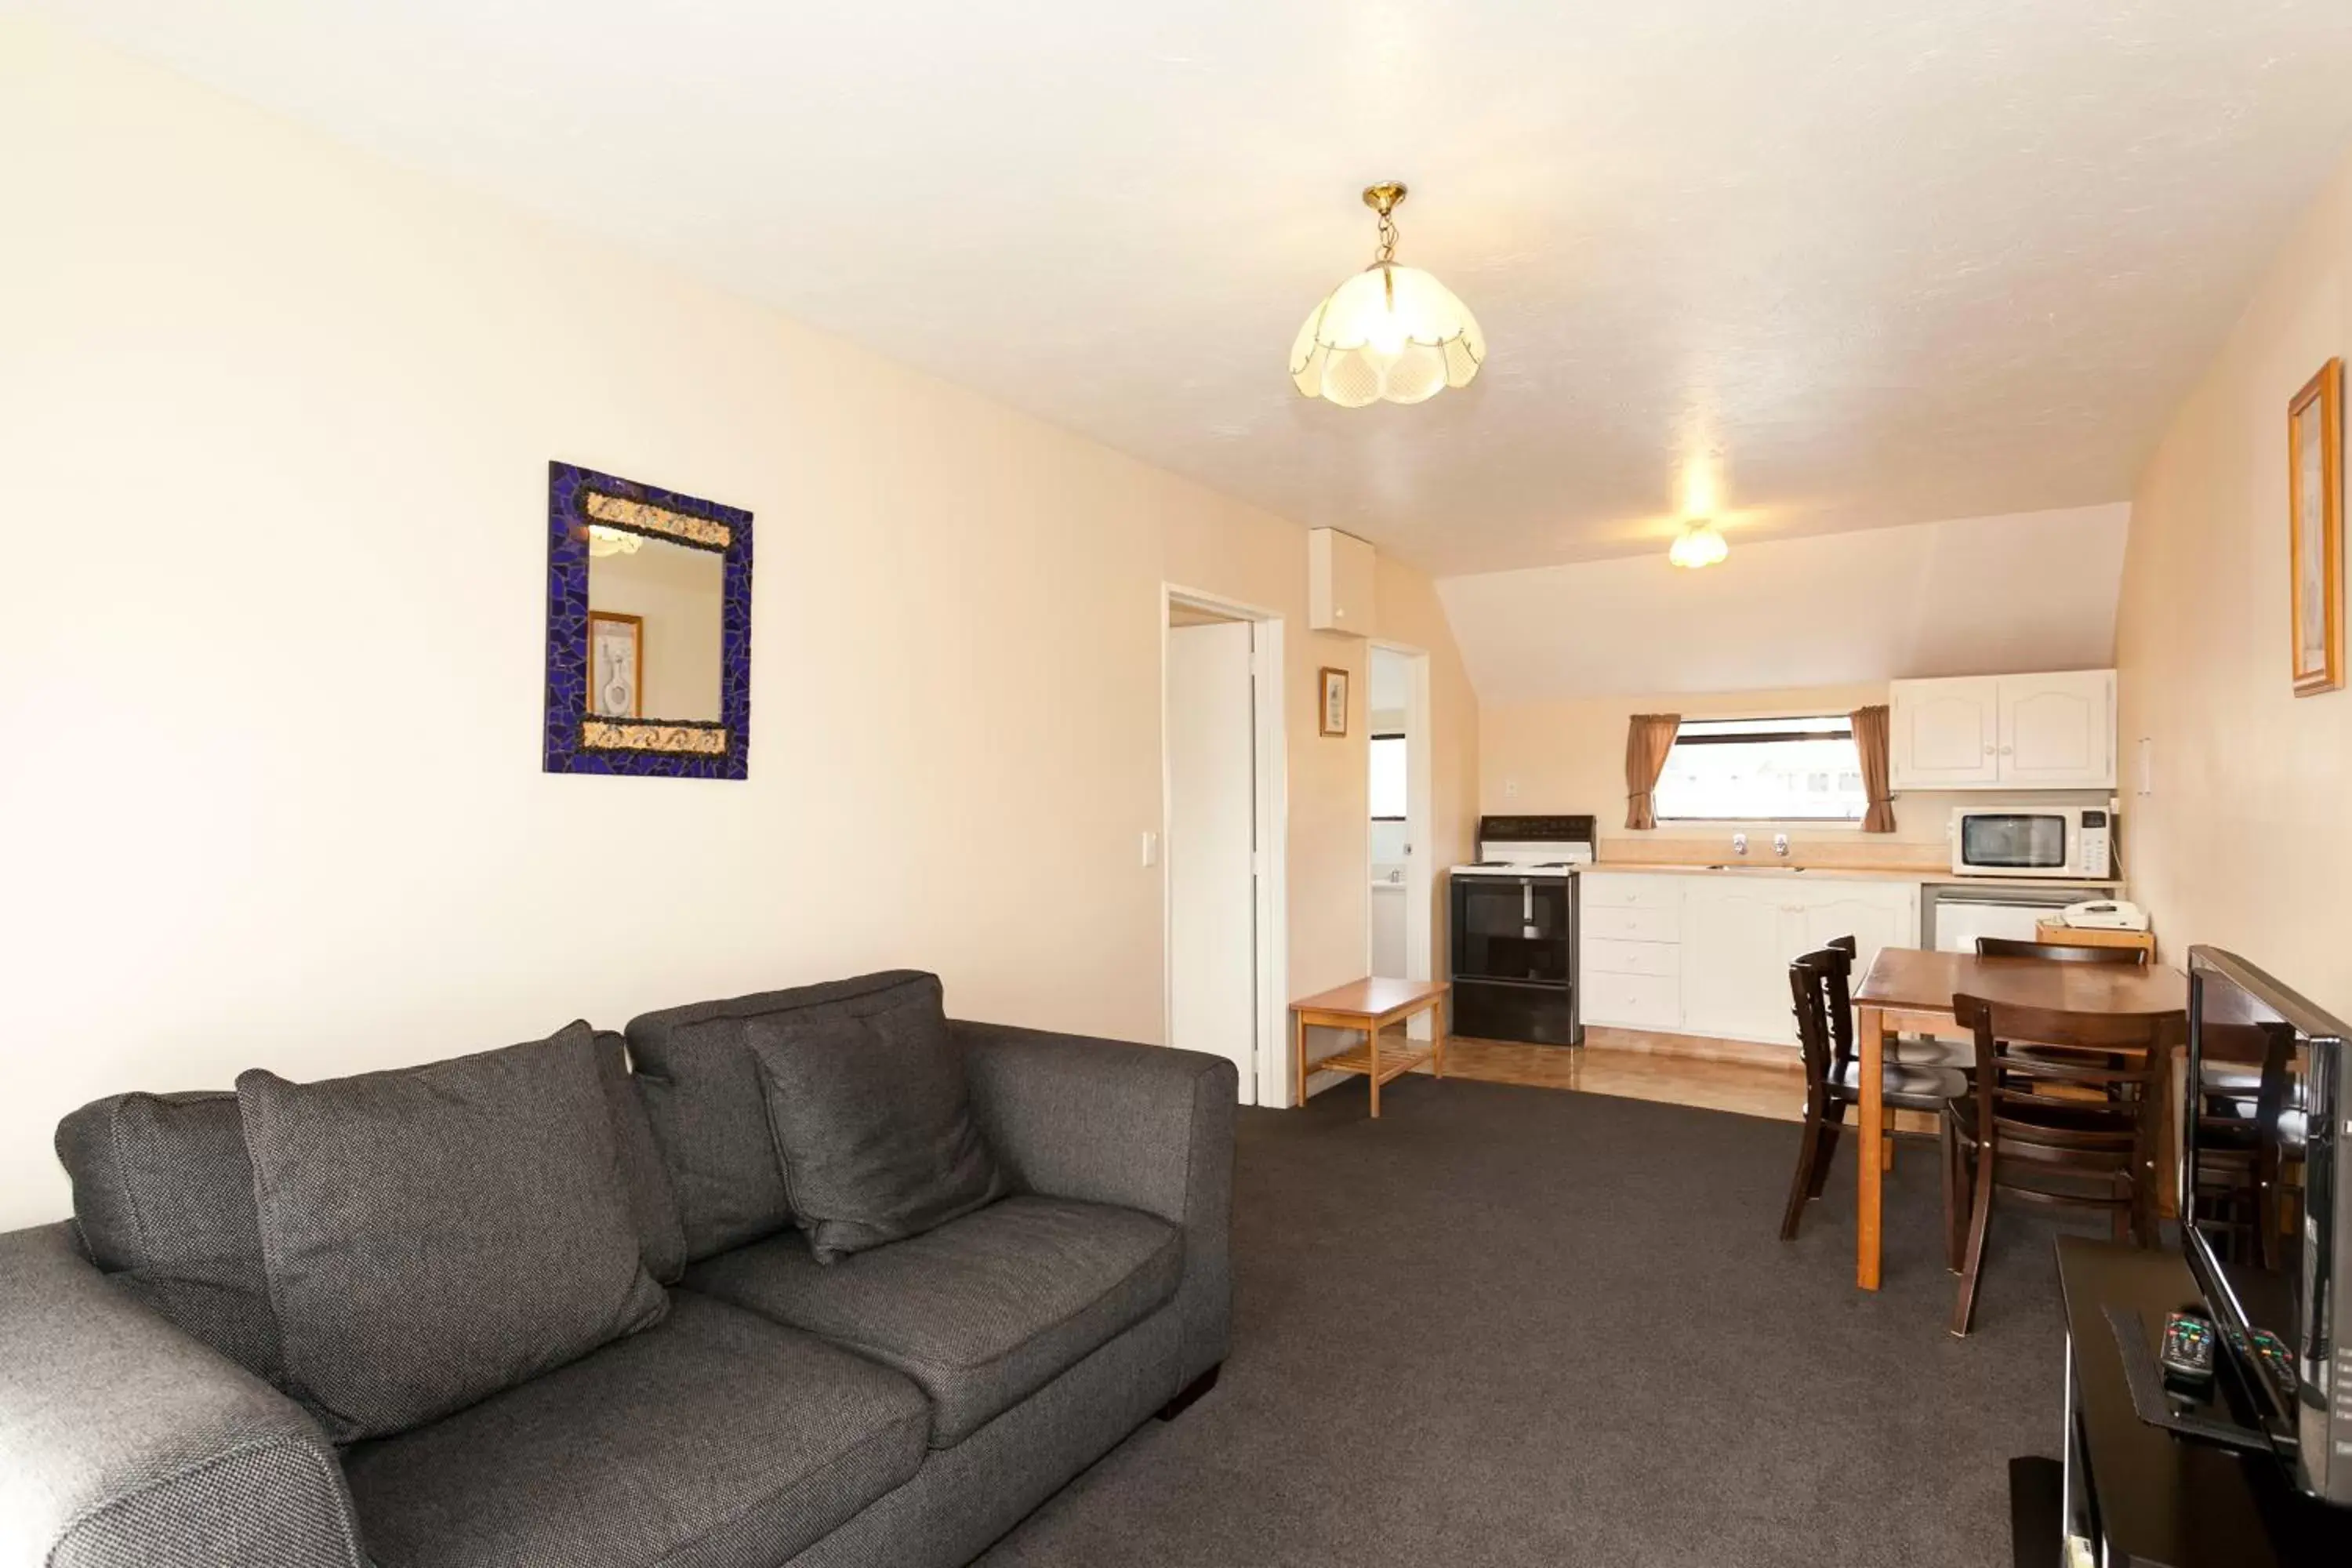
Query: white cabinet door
[1736,940]
[1944,733]
[2058,731]
[1874,914]
[1739,939]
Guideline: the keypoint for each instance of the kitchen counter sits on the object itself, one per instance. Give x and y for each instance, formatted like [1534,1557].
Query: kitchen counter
[1844,873]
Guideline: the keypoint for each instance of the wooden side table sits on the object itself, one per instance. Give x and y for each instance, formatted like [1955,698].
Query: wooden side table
[2087,936]
[1369,1006]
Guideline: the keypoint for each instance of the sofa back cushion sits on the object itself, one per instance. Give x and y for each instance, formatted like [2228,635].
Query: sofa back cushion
[436,1234]
[871,1119]
[706,1095]
[163,1194]
[653,1203]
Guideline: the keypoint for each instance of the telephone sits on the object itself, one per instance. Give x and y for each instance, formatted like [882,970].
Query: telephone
[2104,914]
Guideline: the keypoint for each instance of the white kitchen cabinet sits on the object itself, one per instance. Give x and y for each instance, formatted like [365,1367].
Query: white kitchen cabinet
[1740,929]
[1629,957]
[2058,731]
[1736,939]
[1944,734]
[2054,730]
[1707,953]
[1341,572]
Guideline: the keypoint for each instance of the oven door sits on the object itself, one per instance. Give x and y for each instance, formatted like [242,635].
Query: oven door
[1511,928]
[2015,843]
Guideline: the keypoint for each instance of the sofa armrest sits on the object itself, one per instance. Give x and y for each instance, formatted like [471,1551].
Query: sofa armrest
[1141,1126]
[124,1441]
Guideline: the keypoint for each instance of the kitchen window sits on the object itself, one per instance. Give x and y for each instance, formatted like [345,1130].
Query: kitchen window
[1763,770]
[1388,778]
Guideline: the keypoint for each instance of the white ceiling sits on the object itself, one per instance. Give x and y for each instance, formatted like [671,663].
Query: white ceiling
[1987,596]
[1871,261]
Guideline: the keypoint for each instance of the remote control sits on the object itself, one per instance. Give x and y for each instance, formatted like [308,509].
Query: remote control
[2187,1353]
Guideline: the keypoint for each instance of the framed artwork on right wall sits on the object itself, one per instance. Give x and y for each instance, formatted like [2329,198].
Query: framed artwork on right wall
[2315,497]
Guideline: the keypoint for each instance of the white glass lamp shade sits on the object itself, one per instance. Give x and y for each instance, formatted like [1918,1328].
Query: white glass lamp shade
[602,542]
[1699,544]
[1391,332]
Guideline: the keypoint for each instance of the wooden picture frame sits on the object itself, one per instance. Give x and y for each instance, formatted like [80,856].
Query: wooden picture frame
[612,627]
[1331,715]
[2315,507]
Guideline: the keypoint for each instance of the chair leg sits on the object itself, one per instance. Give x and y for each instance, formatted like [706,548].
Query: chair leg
[1813,1159]
[1949,1148]
[1964,1310]
[1830,1126]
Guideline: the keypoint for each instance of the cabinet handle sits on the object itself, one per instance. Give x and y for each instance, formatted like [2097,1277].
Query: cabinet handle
[2005,751]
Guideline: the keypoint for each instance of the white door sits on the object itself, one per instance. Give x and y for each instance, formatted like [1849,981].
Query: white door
[1212,894]
[1736,943]
[2058,731]
[1944,732]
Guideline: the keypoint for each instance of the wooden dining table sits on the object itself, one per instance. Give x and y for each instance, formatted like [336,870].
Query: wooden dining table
[1908,988]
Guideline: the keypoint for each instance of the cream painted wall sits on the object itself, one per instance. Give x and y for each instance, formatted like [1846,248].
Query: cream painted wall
[1570,757]
[266,398]
[2242,842]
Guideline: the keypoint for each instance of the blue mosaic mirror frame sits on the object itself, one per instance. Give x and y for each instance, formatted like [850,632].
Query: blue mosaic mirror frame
[580,743]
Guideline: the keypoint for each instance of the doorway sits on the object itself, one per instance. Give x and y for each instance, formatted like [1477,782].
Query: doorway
[1402,912]
[1222,771]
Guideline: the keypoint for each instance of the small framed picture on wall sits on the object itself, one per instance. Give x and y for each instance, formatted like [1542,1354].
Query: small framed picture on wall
[2315,504]
[616,658]
[1335,701]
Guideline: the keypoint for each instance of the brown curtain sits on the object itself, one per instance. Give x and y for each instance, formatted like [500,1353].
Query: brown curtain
[1648,737]
[1870,731]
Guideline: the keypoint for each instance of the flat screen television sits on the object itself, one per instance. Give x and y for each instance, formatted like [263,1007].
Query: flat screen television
[2268,1218]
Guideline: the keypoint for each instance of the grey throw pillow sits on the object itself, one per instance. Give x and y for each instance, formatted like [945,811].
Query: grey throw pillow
[163,1194]
[439,1233]
[871,1119]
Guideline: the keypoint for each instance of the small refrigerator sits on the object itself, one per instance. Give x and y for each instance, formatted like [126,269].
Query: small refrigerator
[1953,915]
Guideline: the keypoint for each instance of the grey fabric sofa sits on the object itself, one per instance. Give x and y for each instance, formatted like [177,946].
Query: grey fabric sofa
[905,1407]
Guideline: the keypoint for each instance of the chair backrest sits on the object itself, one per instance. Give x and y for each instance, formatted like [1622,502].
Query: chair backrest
[2077,1090]
[2058,952]
[1820,985]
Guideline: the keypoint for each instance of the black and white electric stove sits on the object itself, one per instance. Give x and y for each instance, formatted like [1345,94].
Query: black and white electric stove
[1515,920]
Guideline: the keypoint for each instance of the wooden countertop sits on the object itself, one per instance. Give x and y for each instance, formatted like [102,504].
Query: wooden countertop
[1878,873]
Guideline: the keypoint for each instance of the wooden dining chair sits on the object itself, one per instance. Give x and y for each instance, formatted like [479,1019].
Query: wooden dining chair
[2064,1109]
[2058,952]
[1821,986]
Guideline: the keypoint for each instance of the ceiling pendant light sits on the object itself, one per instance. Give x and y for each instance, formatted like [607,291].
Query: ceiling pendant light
[1699,544]
[1391,332]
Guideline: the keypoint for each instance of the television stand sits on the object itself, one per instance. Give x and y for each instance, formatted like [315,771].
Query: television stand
[2149,1496]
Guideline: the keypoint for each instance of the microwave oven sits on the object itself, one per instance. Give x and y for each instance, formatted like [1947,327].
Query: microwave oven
[2033,841]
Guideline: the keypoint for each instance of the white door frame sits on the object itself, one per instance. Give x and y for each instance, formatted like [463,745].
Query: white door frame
[1420,866]
[1271,813]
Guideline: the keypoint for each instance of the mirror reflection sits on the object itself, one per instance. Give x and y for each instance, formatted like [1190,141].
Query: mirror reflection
[655,613]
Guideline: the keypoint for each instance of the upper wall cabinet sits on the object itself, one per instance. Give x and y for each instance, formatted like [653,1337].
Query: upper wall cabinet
[2007,731]
[1340,576]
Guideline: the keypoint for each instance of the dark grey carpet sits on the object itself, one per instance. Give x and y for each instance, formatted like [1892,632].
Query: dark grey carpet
[1518,1326]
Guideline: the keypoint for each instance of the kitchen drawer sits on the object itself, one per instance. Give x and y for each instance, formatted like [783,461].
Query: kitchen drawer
[1633,924]
[1633,1001]
[1608,955]
[1623,891]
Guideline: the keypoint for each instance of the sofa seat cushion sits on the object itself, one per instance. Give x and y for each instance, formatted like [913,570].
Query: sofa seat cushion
[982,1311]
[715,1438]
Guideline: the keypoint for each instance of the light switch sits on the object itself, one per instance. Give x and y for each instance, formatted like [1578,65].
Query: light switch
[1150,848]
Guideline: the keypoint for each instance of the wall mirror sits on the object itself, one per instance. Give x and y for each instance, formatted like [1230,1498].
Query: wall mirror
[648,629]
